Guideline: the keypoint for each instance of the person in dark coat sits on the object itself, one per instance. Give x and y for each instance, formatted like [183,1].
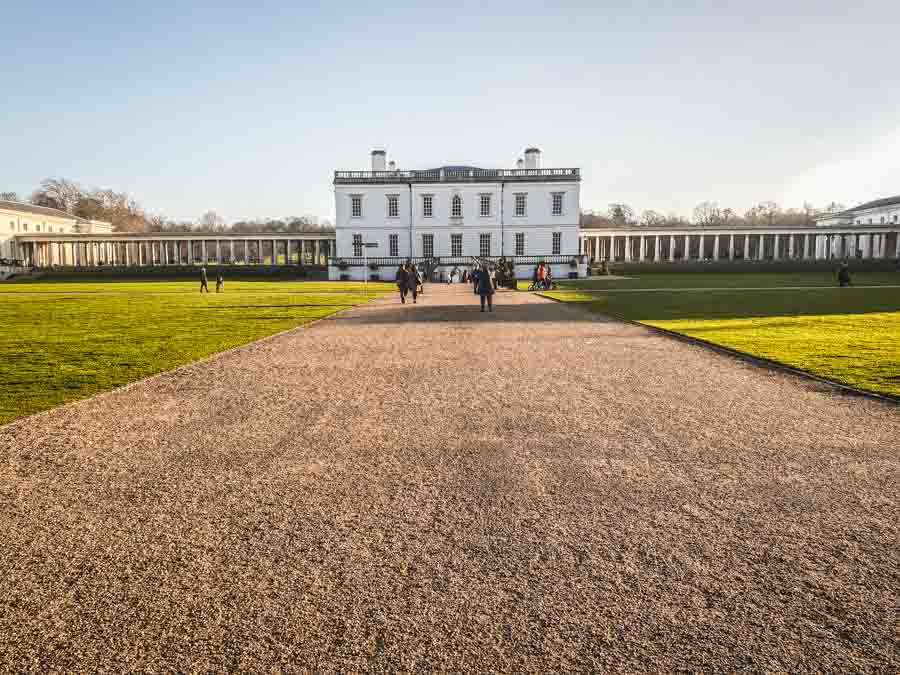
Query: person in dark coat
[412,280]
[484,286]
[203,284]
[402,281]
[843,274]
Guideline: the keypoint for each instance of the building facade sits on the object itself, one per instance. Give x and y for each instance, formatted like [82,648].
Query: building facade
[455,213]
[18,219]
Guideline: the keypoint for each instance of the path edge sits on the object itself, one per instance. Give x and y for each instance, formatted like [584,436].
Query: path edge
[759,361]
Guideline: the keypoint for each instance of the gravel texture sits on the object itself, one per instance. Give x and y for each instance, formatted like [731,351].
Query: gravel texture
[426,486]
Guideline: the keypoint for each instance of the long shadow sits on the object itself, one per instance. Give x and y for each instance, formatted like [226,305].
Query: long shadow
[447,313]
[286,306]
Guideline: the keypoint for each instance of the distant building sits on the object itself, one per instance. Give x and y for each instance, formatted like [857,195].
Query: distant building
[454,213]
[877,212]
[20,218]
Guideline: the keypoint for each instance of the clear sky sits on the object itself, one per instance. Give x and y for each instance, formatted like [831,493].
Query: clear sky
[249,108]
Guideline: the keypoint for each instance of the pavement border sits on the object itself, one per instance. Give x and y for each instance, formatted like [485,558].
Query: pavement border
[759,361]
[267,338]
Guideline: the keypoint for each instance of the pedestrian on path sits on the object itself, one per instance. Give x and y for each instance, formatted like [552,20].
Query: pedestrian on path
[402,279]
[203,285]
[412,280]
[484,286]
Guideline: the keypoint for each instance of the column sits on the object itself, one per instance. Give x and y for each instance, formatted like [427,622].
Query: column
[259,250]
[791,246]
[701,254]
[716,247]
[244,261]
[897,245]
[746,247]
[805,253]
[203,252]
[627,248]
[274,253]
[671,248]
[762,247]
[731,247]
[775,252]
[657,254]
[640,248]
[317,253]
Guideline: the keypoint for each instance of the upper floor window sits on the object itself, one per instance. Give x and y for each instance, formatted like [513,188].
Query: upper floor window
[456,206]
[456,245]
[393,206]
[357,245]
[521,205]
[393,245]
[428,245]
[557,243]
[427,206]
[24,227]
[484,245]
[882,220]
[356,206]
[12,224]
[557,203]
[485,205]
[895,219]
[870,221]
[520,243]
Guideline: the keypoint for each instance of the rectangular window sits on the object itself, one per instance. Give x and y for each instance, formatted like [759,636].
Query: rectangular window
[521,204]
[357,245]
[485,205]
[484,245]
[456,245]
[427,206]
[557,203]
[393,206]
[428,245]
[557,243]
[356,206]
[520,243]
[393,245]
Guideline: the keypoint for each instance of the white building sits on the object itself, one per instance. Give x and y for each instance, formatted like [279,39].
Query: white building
[879,212]
[451,214]
[18,219]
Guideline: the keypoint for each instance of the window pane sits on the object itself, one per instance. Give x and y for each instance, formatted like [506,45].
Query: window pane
[456,245]
[428,245]
[393,245]
[557,242]
[520,243]
[357,245]
[484,245]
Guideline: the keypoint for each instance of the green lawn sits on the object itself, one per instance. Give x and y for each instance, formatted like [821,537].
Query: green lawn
[62,341]
[849,335]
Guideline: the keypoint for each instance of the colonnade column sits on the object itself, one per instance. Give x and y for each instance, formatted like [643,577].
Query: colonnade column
[731,246]
[701,254]
[716,247]
[775,255]
[657,245]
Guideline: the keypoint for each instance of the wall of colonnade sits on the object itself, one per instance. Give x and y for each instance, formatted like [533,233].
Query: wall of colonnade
[759,245]
[145,252]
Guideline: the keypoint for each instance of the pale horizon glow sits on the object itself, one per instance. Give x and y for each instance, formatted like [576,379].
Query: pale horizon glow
[197,106]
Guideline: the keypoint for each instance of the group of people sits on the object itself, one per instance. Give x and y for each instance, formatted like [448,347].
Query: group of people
[220,282]
[410,280]
[542,277]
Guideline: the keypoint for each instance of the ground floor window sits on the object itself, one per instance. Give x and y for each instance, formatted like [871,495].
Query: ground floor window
[456,245]
[393,245]
[484,245]
[357,246]
[557,243]
[520,243]
[428,245]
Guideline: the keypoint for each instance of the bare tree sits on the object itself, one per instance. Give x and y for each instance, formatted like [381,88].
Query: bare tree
[707,213]
[9,196]
[651,218]
[61,193]
[620,214]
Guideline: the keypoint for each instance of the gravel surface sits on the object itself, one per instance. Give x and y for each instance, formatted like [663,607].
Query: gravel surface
[426,486]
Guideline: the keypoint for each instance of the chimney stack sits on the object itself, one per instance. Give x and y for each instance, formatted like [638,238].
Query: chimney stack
[520,164]
[379,158]
[392,165]
[532,158]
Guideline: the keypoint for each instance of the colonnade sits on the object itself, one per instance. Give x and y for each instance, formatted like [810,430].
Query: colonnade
[660,246]
[123,251]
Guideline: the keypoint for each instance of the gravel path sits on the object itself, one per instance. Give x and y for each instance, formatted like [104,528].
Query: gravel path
[410,487]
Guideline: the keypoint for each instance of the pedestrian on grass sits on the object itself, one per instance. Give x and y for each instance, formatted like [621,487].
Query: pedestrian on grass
[843,274]
[220,283]
[203,284]
[484,287]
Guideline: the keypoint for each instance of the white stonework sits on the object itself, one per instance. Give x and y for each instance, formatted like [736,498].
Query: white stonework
[19,219]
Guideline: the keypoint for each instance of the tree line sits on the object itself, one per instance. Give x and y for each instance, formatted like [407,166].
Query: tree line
[709,213]
[127,215]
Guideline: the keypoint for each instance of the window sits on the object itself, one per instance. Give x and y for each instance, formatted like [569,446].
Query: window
[520,243]
[557,203]
[456,245]
[521,203]
[870,221]
[485,205]
[357,245]
[882,220]
[356,206]
[393,245]
[393,204]
[428,245]
[557,242]
[456,207]
[484,245]
[895,220]
[12,223]
[427,205]
[24,227]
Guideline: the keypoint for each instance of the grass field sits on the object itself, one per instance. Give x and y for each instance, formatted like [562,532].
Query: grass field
[64,341]
[849,335]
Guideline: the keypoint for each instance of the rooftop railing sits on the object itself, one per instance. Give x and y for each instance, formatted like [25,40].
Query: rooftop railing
[453,175]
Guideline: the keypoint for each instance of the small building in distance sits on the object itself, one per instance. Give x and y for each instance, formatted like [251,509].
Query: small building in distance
[452,214]
[21,218]
[876,212]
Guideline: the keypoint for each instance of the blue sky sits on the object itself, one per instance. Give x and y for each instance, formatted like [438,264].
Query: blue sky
[249,109]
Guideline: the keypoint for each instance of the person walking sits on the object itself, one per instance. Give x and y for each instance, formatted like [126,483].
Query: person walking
[412,280]
[484,287]
[401,282]
[843,274]
[420,280]
[220,283]
[203,284]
